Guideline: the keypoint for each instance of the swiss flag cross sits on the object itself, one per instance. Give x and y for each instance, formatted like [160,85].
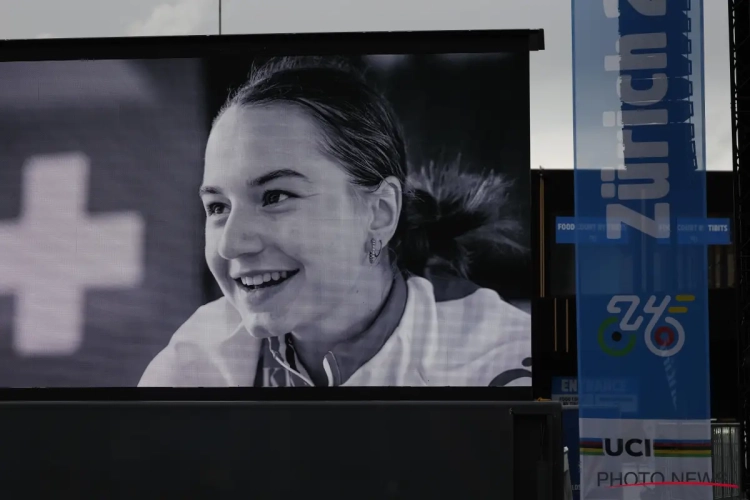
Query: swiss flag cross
[101,227]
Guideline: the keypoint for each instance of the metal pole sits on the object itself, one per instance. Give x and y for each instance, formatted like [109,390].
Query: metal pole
[220,17]
[738,36]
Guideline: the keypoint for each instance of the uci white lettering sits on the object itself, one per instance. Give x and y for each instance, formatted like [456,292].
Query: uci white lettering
[631,447]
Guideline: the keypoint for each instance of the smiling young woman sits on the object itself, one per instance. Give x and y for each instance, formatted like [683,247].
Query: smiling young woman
[337,264]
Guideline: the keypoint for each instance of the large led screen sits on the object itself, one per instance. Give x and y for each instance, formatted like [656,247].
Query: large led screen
[265,220]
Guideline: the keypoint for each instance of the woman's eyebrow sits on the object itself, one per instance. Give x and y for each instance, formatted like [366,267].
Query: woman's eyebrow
[259,181]
[276,174]
[208,190]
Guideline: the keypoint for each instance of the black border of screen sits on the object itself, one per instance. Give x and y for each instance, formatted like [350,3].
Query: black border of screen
[351,43]
[345,43]
[244,394]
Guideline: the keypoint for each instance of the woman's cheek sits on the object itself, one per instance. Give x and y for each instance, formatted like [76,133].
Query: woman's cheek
[311,235]
[297,241]
[324,233]
[212,247]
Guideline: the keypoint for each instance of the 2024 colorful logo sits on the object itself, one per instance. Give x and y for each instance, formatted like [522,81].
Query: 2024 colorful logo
[664,335]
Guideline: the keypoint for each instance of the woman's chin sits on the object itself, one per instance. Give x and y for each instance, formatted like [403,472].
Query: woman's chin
[262,327]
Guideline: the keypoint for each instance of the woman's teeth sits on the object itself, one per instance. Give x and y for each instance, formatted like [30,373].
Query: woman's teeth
[266,278]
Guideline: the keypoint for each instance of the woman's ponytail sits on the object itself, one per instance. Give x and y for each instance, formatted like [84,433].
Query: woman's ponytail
[449,215]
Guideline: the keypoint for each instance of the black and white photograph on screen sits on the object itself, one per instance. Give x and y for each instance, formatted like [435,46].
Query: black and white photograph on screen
[268,222]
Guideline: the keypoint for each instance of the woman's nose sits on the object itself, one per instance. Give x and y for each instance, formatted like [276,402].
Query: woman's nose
[241,235]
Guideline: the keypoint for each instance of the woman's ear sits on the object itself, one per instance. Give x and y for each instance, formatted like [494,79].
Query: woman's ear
[385,205]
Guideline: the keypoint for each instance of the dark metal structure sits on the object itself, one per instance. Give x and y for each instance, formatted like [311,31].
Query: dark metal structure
[739,47]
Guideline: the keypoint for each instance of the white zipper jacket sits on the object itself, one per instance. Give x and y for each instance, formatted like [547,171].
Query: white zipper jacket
[441,336]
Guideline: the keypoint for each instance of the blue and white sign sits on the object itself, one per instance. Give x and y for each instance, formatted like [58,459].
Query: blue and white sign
[590,229]
[688,231]
[703,232]
[565,390]
[607,394]
[640,169]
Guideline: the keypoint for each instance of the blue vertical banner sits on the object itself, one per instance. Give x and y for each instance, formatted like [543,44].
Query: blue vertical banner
[642,310]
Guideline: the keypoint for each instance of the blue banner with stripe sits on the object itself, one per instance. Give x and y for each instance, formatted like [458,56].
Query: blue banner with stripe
[689,231]
[640,187]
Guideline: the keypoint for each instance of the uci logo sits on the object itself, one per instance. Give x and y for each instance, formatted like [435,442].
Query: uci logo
[664,335]
[631,447]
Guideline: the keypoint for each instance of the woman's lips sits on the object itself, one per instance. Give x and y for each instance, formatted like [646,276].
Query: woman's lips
[256,295]
[265,281]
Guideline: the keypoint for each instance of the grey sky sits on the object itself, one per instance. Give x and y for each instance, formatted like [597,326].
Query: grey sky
[551,79]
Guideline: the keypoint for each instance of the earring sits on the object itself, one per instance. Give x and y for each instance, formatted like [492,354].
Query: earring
[373,254]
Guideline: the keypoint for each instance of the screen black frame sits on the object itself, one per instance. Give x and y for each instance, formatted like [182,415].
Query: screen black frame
[535,430]
[343,43]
